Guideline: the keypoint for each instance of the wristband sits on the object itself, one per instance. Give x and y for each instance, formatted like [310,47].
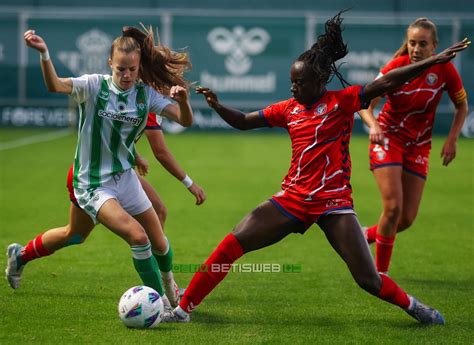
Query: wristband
[187,181]
[44,56]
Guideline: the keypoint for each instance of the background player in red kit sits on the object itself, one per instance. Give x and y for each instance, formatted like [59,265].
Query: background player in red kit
[400,165]
[317,187]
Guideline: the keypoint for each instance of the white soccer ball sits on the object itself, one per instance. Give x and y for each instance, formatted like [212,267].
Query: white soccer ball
[141,307]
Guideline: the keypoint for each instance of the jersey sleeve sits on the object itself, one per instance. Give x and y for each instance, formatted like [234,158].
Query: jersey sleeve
[85,86]
[275,114]
[153,121]
[454,85]
[352,99]
[157,102]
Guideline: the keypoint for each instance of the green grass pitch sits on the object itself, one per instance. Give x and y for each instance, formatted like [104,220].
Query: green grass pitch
[72,296]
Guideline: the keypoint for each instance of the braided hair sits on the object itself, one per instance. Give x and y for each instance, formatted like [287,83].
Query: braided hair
[160,67]
[329,48]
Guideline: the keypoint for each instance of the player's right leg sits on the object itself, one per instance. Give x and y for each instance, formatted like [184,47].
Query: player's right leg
[79,227]
[263,227]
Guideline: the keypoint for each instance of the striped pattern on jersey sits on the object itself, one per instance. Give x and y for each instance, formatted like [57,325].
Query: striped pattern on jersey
[107,133]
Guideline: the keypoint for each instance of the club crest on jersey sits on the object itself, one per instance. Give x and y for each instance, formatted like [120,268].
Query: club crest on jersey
[141,105]
[431,79]
[321,109]
[296,110]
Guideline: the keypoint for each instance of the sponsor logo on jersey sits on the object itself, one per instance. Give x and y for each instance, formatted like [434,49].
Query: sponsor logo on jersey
[103,94]
[135,121]
[321,109]
[431,79]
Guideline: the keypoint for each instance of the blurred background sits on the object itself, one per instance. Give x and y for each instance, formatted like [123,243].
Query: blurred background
[241,49]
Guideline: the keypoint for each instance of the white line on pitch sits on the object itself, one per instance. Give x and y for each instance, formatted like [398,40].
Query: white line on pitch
[40,138]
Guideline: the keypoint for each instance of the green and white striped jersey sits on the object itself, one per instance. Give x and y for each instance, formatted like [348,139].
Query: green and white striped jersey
[110,121]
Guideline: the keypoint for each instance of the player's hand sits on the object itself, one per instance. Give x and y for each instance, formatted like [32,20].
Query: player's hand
[448,152]
[198,192]
[142,165]
[34,41]
[376,135]
[450,52]
[211,97]
[179,94]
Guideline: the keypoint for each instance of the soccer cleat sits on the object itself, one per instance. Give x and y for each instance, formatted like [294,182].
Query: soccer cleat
[166,304]
[172,292]
[175,316]
[14,268]
[424,314]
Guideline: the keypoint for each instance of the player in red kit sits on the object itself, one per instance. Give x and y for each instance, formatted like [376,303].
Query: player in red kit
[400,164]
[317,187]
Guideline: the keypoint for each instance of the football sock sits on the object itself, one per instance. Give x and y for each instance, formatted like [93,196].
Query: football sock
[33,250]
[147,267]
[370,233]
[213,272]
[165,259]
[393,293]
[383,252]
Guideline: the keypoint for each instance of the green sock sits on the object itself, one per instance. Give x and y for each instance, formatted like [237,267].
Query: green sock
[147,267]
[165,261]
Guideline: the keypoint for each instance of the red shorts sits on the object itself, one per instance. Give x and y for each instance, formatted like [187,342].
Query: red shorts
[70,188]
[308,212]
[413,159]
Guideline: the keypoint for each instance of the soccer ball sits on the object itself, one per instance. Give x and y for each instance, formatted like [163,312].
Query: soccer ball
[140,307]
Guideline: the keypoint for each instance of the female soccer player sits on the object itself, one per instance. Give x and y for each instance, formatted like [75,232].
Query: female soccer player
[316,188]
[113,113]
[400,164]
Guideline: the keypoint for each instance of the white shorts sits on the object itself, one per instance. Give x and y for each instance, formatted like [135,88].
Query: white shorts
[125,187]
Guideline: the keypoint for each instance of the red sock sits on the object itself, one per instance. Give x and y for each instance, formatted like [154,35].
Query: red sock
[393,293]
[214,271]
[370,233]
[383,252]
[34,250]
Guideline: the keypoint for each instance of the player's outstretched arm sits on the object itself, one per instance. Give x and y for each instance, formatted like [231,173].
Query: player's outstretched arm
[162,153]
[51,79]
[396,77]
[181,113]
[233,117]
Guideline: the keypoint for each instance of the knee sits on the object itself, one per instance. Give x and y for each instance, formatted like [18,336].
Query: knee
[137,237]
[405,222]
[370,283]
[392,210]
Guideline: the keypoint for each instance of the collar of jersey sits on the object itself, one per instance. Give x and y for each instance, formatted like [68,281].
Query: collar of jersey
[307,107]
[116,89]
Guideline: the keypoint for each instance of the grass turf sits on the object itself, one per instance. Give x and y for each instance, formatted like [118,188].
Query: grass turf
[72,296]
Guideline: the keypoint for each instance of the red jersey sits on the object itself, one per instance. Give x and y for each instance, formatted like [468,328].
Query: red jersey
[320,133]
[153,121]
[408,115]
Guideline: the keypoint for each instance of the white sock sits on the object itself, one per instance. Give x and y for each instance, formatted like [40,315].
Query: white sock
[180,312]
[412,302]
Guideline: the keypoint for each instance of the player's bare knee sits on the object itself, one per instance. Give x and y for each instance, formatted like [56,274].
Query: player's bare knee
[137,237]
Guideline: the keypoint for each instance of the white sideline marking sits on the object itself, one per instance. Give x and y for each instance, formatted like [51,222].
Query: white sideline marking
[40,138]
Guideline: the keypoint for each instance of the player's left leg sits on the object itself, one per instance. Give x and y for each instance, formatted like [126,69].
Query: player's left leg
[344,234]
[79,227]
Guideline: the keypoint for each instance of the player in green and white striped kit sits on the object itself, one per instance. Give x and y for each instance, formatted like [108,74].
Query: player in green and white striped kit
[113,113]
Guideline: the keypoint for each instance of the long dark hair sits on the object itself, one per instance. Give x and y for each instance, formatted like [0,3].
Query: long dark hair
[329,48]
[160,67]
